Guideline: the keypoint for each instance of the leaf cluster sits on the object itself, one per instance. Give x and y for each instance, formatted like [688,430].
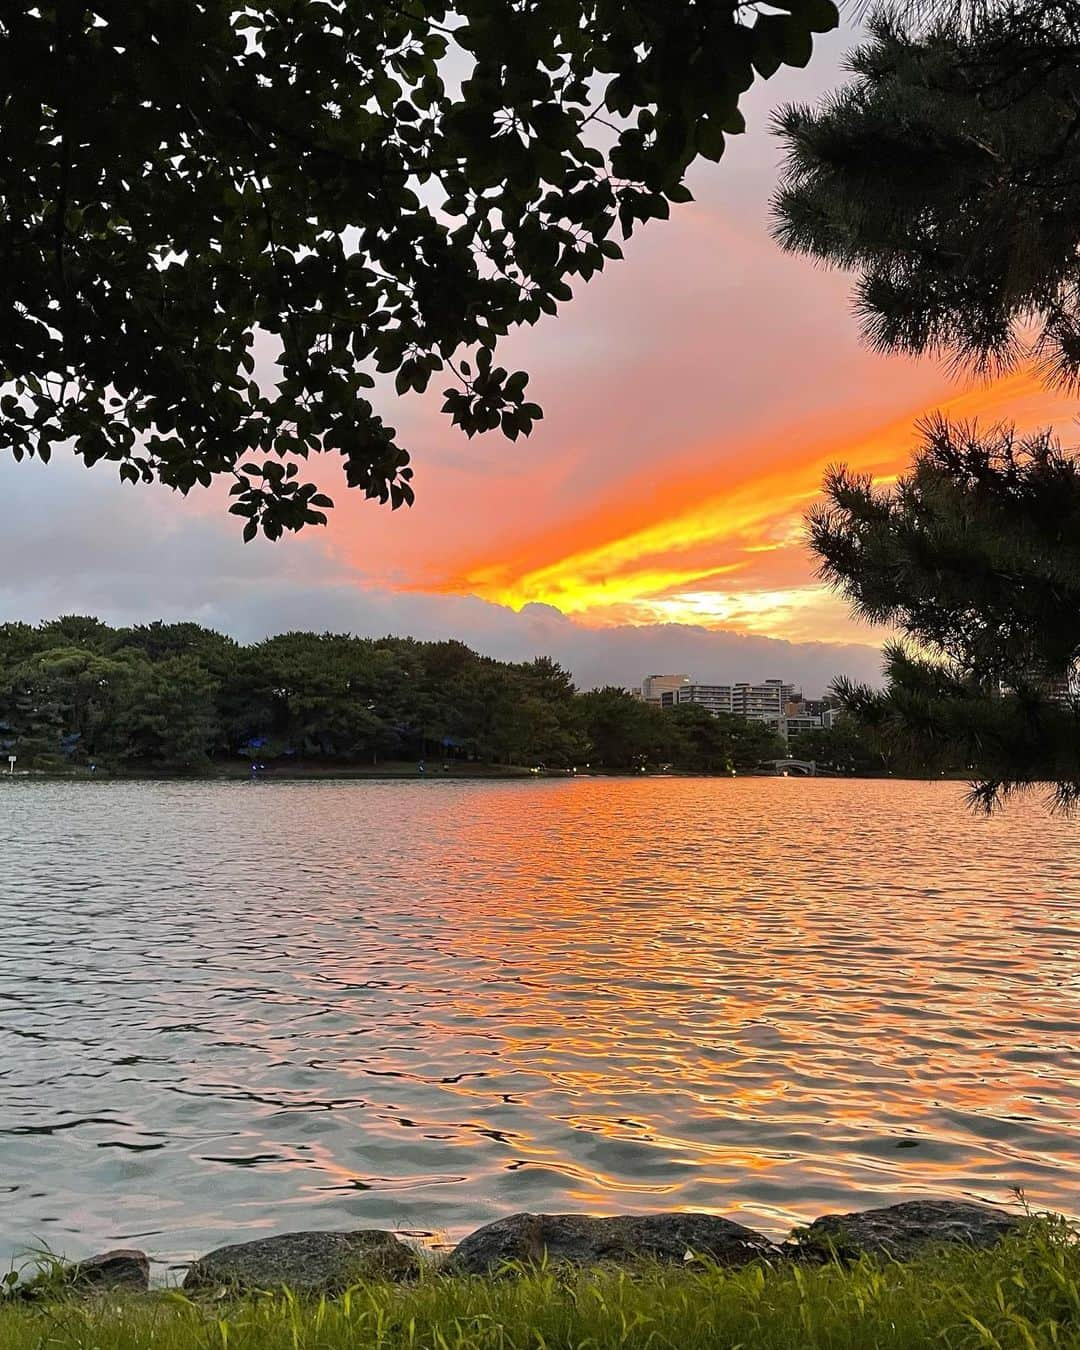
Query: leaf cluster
[221,223]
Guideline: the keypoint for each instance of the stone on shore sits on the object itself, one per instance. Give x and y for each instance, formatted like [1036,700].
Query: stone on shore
[305,1262]
[905,1230]
[582,1239]
[122,1268]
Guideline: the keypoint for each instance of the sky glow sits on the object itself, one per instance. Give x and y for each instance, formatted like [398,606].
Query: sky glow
[694,395]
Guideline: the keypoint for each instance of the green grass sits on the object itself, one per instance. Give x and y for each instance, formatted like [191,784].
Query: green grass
[1025,1293]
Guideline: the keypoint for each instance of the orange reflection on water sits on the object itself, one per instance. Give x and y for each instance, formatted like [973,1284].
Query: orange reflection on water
[425,1004]
[751,993]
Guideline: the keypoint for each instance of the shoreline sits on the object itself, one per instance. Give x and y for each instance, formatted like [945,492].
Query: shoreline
[474,773]
[1013,1288]
[313,1258]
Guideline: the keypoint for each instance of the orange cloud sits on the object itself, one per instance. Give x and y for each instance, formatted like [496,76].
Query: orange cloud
[723,545]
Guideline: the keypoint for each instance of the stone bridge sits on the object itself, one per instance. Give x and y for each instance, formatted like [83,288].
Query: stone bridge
[793,768]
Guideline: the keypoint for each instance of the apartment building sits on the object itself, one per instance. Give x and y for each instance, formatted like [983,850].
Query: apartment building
[716,698]
[762,702]
[790,726]
[766,702]
[654,687]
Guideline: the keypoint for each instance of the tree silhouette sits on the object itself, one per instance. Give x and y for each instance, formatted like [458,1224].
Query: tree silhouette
[221,221]
[975,556]
[946,175]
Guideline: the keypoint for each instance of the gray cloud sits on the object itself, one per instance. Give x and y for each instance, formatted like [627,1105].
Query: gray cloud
[132,555]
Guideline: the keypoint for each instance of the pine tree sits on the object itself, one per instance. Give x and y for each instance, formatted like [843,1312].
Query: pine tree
[975,557]
[946,175]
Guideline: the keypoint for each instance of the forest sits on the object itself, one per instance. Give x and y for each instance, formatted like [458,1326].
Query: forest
[180,698]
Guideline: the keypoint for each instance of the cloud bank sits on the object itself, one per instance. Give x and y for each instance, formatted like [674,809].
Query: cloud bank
[130,555]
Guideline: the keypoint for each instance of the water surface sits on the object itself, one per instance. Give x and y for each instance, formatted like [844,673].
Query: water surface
[231,1009]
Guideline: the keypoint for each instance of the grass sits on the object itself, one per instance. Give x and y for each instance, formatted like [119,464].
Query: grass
[1025,1293]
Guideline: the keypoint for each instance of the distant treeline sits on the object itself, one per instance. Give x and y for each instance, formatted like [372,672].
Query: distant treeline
[177,697]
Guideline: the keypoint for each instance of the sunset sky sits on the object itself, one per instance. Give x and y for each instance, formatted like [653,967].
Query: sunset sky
[693,396]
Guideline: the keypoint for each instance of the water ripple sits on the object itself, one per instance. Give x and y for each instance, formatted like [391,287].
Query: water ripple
[227,1009]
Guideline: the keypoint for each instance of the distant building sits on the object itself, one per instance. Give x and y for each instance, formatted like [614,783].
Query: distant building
[715,698]
[1057,688]
[766,702]
[789,726]
[654,687]
[762,702]
[775,702]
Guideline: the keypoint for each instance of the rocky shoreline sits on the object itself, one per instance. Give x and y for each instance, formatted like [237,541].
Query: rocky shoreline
[329,1262]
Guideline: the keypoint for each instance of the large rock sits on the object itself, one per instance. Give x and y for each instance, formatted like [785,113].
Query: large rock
[902,1231]
[581,1239]
[305,1262]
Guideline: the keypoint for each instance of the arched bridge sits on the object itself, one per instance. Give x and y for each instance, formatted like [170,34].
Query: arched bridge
[795,768]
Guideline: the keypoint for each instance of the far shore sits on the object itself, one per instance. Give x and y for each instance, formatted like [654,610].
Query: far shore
[393,770]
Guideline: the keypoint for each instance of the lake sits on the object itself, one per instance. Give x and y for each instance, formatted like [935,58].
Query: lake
[232,1009]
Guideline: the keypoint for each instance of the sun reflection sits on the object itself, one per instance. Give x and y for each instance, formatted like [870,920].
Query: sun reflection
[610,995]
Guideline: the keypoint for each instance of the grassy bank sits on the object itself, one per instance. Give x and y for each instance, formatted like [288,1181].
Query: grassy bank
[1025,1293]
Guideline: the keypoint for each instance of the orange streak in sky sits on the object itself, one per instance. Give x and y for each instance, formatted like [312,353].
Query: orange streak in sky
[656,553]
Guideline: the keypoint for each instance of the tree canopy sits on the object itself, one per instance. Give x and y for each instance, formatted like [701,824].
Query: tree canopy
[846,747]
[178,698]
[946,174]
[221,221]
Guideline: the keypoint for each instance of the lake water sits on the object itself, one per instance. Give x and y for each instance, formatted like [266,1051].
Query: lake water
[232,1009]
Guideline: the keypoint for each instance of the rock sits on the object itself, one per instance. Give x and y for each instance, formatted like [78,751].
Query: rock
[123,1268]
[305,1262]
[903,1231]
[582,1239]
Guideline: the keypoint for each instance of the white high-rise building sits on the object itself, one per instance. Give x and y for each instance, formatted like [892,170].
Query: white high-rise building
[762,702]
[766,702]
[654,687]
[714,697]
